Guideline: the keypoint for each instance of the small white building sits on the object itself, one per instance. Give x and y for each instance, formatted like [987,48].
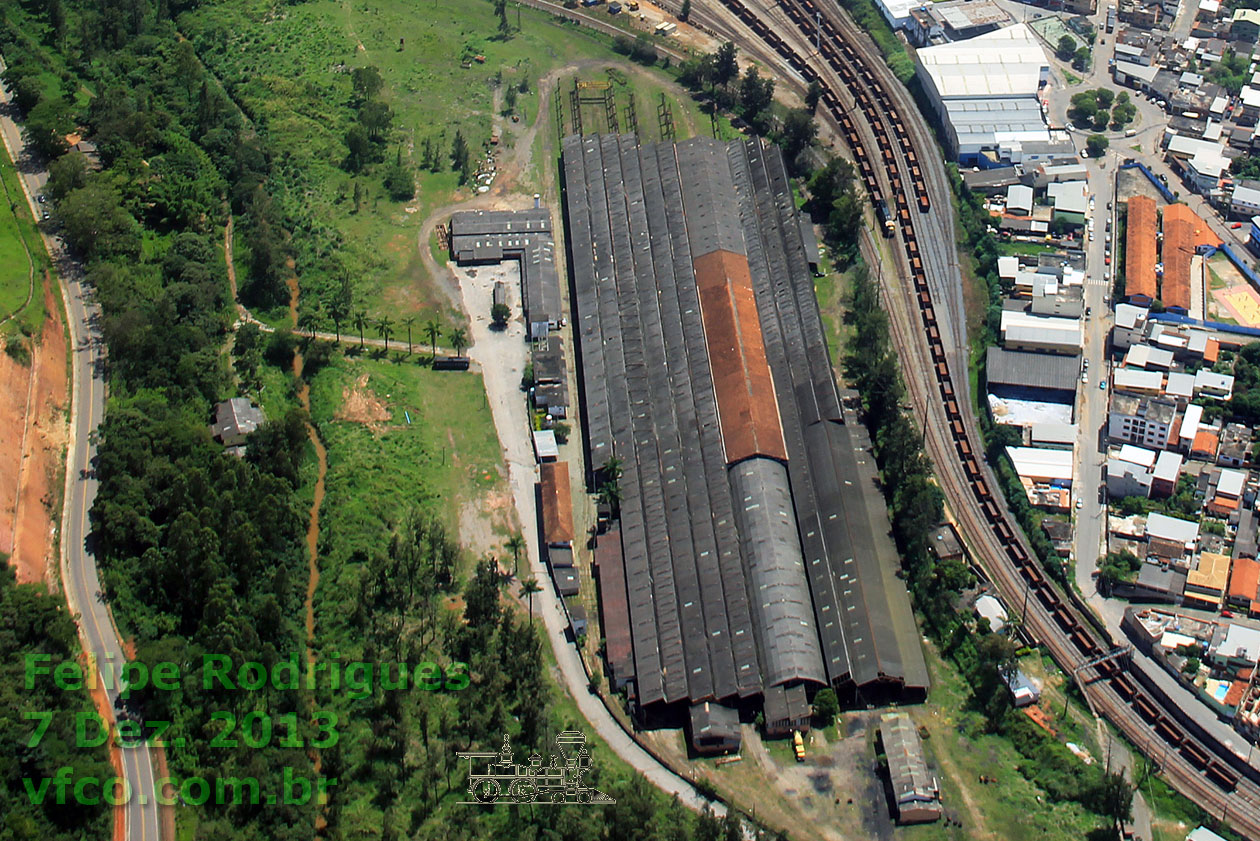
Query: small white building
[1211,384]
[1140,420]
[1245,201]
[1019,200]
[1024,331]
[1173,530]
[1138,381]
[1179,385]
[1130,325]
[1191,419]
[1150,358]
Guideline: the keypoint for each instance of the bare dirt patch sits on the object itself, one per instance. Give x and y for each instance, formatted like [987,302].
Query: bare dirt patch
[485,523]
[361,405]
[33,434]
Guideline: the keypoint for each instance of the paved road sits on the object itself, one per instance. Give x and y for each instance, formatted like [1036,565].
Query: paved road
[502,355]
[78,566]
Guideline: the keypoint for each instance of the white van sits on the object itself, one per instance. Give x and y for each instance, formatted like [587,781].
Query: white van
[1130,132]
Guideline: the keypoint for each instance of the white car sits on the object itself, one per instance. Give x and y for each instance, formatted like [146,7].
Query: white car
[1080,503]
[1085,378]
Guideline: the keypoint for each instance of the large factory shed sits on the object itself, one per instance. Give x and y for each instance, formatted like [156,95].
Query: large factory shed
[753,540]
[492,236]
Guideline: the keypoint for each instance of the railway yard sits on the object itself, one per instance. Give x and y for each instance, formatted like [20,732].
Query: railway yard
[899,163]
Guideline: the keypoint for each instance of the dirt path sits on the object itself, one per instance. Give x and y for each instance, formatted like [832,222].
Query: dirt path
[976,827]
[312,528]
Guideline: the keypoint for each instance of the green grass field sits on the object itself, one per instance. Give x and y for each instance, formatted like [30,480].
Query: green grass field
[446,456]
[16,281]
[288,69]
[1012,808]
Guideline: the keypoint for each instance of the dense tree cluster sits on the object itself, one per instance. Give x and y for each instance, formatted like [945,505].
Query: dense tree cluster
[985,659]
[751,96]
[1245,405]
[834,201]
[201,552]
[1231,72]
[35,624]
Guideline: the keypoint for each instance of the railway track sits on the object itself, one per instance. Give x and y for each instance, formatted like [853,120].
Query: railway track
[1200,767]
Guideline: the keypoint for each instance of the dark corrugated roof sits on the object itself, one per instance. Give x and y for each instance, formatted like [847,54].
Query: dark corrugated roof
[1031,370]
[698,619]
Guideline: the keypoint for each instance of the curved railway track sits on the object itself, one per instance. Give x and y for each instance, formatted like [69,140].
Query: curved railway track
[1199,766]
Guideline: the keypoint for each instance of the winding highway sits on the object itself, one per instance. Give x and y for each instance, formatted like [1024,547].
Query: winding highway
[88,390]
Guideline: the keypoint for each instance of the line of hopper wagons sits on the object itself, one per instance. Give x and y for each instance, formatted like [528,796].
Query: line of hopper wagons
[879,112]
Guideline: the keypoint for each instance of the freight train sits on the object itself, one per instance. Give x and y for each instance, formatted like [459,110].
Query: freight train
[884,119]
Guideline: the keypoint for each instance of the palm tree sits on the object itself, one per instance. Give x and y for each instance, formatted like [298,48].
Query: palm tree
[433,329]
[528,588]
[386,325]
[360,321]
[309,320]
[409,321]
[515,544]
[459,340]
[339,310]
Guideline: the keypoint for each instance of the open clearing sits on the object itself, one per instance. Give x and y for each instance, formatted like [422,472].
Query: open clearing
[33,400]
[21,304]
[288,68]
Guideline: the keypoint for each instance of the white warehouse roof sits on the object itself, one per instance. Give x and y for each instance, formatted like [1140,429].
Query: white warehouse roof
[1167,466]
[1054,433]
[1069,196]
[1163,527]
[1137,455]
[1033,463]
[1005,62]
[1180,384]
[1231,482]
[1137,379]
[1190,422]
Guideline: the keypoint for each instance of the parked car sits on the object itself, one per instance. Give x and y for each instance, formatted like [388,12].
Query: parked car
[1102,385]
[1236,225]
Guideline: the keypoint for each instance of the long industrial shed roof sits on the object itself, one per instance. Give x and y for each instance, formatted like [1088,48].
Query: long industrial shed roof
[1139,249]
[702,361]
[862,611]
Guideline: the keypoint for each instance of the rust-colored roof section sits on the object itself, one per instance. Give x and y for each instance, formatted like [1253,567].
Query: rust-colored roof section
[614,604]
[1245,577]
[1235,694]
[1222,505]
[747,409]
[1180,235]
[557,502]
[1212,352]
[1205,441]
[1139,248]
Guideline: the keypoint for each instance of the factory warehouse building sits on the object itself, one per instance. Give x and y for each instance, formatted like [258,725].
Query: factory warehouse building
[754,542]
